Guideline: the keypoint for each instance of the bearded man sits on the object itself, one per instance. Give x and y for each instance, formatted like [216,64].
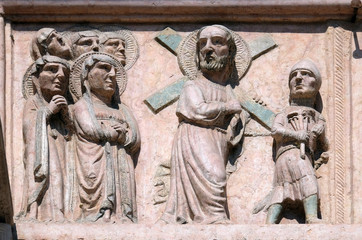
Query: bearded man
[208,113]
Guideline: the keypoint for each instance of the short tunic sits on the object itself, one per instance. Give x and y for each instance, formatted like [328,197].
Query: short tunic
[294,177]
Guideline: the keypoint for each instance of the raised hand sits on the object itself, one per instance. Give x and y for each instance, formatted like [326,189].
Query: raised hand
[57,103]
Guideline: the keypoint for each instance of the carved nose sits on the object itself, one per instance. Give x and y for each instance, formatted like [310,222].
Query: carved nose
[112,73]
[60,74]
[299,75]
[95,47]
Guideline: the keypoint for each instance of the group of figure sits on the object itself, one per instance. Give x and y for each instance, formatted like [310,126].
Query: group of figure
[79,151]
[80,139]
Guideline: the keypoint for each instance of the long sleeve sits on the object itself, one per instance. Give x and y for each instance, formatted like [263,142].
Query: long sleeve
[193,107]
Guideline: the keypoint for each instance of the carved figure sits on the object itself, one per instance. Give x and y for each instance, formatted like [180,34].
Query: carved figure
[46,129]
[114,44]
[300,135]
[85,41]
[107,140]
[121,44]
[47,41]
[210,125]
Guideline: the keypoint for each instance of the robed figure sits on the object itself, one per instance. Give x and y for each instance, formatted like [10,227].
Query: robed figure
[209,126]
[107,140]
[47,131]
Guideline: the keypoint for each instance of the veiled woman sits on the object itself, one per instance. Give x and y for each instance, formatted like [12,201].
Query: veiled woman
[107,139]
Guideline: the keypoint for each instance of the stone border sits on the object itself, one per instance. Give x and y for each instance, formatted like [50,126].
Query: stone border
[189,231]
[138,11]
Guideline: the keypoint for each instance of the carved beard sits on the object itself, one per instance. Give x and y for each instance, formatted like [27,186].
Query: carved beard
[217,64]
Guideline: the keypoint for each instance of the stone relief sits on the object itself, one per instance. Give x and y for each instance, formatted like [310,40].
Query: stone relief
[47,41]
[211,124]
[107,137]
[79,158]
[87,139]
[301,147]
[46,129]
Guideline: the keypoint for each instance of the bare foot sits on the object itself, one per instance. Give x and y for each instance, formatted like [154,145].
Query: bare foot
[107,216]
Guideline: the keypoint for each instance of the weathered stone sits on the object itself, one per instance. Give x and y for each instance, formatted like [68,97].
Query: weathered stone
[261,45]
[170,39]
[166,96]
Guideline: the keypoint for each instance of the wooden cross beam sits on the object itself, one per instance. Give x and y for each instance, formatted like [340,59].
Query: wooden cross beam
[170,39]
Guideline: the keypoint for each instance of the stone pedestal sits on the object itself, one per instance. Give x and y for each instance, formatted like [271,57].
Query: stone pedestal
[200,232]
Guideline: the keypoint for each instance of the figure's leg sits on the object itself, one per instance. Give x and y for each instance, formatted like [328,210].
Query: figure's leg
[274,213]
[33,213]
[310,205]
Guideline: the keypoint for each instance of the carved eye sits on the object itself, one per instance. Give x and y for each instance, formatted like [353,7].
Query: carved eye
[106,68]
[51,69]
[60,40]
[202,43]
[217,41]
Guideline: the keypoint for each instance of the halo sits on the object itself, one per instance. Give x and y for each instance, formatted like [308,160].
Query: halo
[75,85]
[28,86]
[132,49]
[187,53]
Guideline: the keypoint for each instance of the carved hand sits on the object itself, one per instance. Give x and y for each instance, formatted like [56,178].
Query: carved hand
[318,129]
[121,129]
[233,106]
[57,103]
[302,136]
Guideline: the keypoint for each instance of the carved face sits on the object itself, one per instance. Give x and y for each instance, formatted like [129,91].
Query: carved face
[214,49]
[53,79]
[86,44]
[116,47]
[56,46]
[302,84]
[102,79]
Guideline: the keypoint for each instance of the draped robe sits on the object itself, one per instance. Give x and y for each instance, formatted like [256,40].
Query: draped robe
[104,166]
[45,160]
[199,154]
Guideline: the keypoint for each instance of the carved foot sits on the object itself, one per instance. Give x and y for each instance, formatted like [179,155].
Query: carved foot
[107,216]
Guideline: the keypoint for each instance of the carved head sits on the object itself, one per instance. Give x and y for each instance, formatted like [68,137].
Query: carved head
[304,80]
[51,76]
[114,44]
[99,75]
[48,41]
[215,48]
[86,41]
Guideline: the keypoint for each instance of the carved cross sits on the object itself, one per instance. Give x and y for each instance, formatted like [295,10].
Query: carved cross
[170,39]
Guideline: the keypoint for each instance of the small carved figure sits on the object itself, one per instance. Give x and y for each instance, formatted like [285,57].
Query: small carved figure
[210,125]
[85,41]
[47,41]
[114,44]
[107,140]
[46,129]
[300,136]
